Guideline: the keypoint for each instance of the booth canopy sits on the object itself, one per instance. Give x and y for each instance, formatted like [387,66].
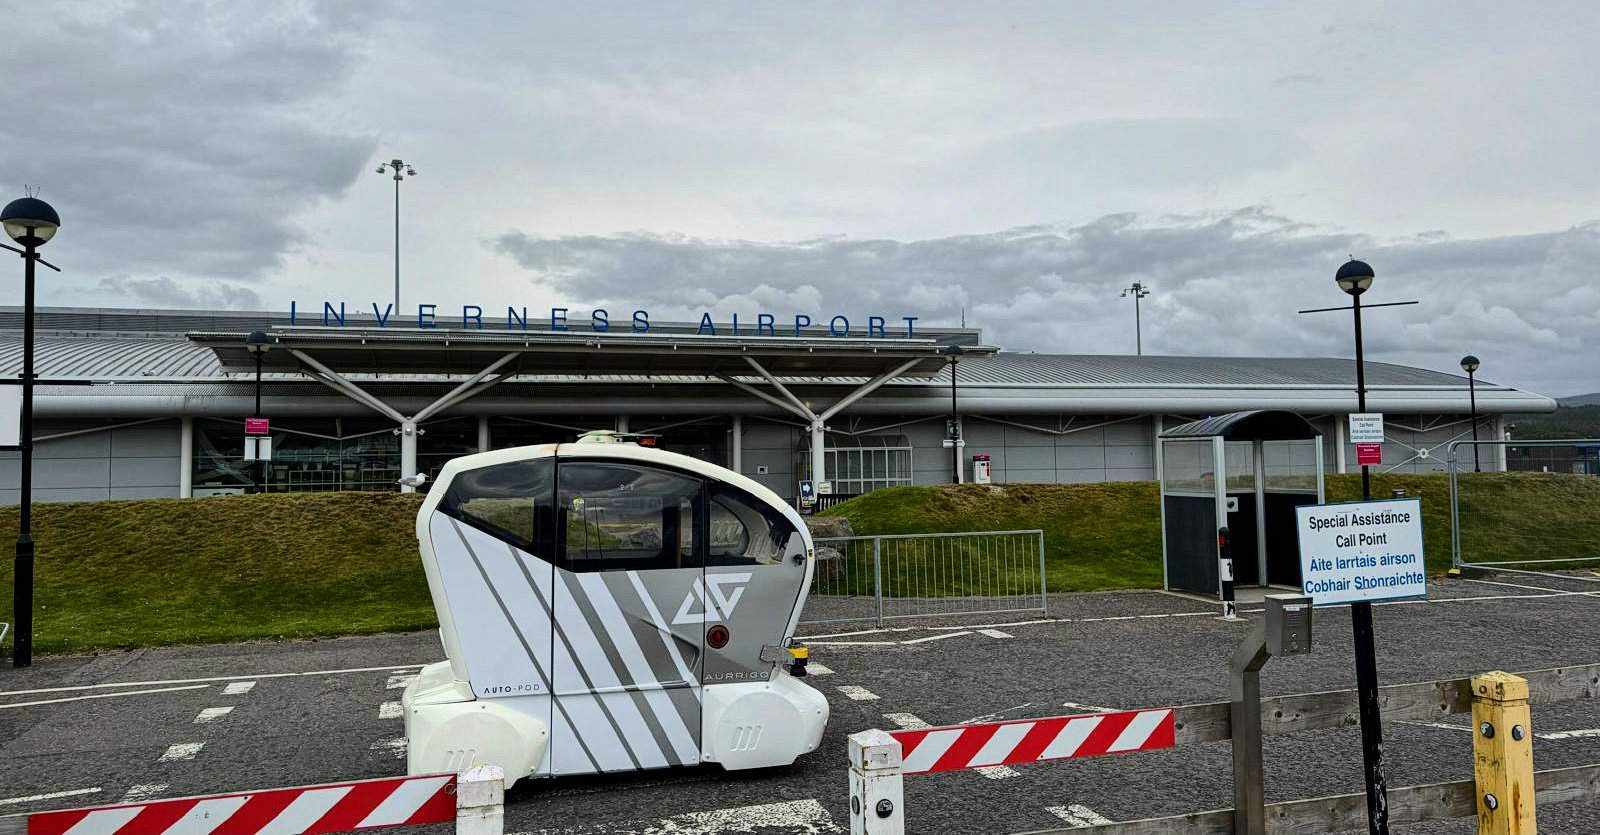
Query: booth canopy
[1261,424]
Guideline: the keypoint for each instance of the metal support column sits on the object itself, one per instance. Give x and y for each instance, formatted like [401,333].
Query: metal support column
[818,442]
[185,456]
[408,454]
[622,423]
[483,433]
[1261,513]
[1338,444]
[736,444]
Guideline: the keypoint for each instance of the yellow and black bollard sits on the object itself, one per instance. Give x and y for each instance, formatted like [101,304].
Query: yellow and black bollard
[1502,754]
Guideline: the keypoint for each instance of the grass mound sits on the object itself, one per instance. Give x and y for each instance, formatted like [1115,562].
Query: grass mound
[1108,536]
[230,568]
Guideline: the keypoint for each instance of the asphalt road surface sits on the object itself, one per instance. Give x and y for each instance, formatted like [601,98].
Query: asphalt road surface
[95,730]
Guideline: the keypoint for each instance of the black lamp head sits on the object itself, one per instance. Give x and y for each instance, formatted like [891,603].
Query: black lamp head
[1354,277]
[30,221]
[257,342]
[1469,363]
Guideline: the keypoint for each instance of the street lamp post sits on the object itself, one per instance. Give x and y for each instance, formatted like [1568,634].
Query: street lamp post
[258,344]
[954,352]
[398,166]
[1139,291]
[1354,277]
[1469,364]
[31,222]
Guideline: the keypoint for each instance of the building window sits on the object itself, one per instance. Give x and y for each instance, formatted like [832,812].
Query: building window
[623,517]
[878,461]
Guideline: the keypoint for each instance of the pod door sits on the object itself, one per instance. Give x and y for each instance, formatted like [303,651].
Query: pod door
[629,627]
[756,574]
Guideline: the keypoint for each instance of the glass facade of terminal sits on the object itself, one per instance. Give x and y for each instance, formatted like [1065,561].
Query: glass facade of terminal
[327,454]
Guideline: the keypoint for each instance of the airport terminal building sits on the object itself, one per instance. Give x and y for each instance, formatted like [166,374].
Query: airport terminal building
[144,404]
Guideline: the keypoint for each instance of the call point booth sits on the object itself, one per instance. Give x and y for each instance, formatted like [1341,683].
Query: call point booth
[1246,471]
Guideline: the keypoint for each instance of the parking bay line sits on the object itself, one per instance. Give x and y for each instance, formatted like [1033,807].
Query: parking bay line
[386,667]
[99,696]
[1078,816]
[34,798]
[927,638]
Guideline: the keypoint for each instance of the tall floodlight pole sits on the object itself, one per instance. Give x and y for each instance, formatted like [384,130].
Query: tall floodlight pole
[400,167]
[31,222]
[1139,291]
[954,352]
[1470,364]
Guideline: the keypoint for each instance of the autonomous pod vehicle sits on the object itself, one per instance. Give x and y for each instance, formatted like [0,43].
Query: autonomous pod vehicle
[606,606]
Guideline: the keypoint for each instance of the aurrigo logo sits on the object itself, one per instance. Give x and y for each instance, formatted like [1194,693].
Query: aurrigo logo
[715,588]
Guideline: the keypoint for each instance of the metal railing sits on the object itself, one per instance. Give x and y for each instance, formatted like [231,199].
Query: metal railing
[884,578]
[1542,543]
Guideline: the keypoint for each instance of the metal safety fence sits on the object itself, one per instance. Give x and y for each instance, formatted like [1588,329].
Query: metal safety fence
[1494,527]
[882,578]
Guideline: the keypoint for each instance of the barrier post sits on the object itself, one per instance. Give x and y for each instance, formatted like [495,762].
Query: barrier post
[877,791]
[1230,610]
[1502,754]
[480,801]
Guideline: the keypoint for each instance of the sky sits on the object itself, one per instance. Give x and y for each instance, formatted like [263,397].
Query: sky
[1010,165]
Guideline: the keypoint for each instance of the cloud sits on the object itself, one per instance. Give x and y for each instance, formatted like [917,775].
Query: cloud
[1224,284]
[182,137]
[163,292]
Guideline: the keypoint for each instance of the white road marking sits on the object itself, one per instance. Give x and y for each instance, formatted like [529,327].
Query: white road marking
[1569,734]
[1078,816]
[996,716]
[212,714]
[1525,586]
[238,688]
[802,817]
[396,682]
[858,632]
[396,747]
[852,643]
[389,710]
[209,678]
[815,669]
[1007,623]
[906,720]
[1090,708]
[1440,725]
[860,694]
[181,751]
[995,633]
[51,796]
[998,772]
[928,638]
[144,791]
[100,696]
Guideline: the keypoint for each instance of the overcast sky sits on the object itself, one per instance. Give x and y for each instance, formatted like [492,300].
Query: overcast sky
[1020,161]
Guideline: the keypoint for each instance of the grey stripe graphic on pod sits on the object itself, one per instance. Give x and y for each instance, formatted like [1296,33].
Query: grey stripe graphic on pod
[598,665]
[677,737]
[688,670]
[520,637]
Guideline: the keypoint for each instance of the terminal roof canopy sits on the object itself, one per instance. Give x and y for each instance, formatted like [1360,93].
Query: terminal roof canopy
[398,351]
[1261,424]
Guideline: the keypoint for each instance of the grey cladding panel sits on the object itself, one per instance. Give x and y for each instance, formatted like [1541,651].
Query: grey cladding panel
[145,472]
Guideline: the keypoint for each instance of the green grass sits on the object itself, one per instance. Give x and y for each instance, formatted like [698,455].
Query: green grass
[1108,536]
[127,574]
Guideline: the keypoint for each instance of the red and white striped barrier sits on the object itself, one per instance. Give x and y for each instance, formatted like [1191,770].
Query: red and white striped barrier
[339,807]
[1032,740]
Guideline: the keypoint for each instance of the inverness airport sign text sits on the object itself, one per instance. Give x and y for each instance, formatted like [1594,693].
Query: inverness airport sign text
[599,321]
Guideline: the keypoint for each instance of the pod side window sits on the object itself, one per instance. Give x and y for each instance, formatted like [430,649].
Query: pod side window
[626,517]
[745,530]
[513,502]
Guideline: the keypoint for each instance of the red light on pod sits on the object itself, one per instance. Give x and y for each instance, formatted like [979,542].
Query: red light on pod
[717,636]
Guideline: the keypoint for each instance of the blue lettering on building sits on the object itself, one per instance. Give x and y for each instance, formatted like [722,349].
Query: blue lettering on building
[838,325]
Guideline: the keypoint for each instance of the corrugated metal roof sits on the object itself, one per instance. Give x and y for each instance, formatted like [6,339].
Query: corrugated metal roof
[1163,371]
[106,357]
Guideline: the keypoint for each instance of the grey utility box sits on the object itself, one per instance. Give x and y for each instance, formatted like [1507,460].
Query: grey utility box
[1288,624]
